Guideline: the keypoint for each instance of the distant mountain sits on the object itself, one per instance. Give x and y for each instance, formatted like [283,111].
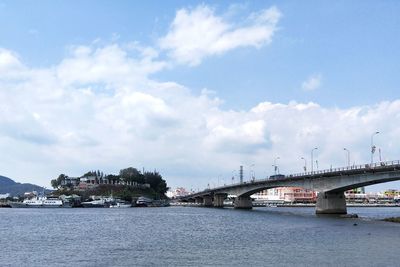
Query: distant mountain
[7,185]
[5,181]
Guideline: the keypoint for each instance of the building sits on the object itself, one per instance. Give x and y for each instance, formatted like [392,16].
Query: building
[360,190]
[90,182]
[178,192]
[286,195]
[70,181]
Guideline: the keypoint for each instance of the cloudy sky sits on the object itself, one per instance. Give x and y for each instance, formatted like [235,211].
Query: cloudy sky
[195,89]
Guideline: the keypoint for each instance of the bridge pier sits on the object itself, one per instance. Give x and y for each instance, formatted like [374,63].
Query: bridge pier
[243,203]
[198,200]
[331,203]
[219,200]
[207,201]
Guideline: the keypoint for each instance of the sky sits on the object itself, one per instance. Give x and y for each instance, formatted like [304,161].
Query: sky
[194,89]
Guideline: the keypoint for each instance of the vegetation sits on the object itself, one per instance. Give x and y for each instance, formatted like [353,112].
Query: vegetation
[55,183]
[130,176]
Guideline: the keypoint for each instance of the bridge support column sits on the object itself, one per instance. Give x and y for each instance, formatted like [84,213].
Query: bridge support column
[331,203]
[207,201]
[243,203]
[198,200]
[219,200]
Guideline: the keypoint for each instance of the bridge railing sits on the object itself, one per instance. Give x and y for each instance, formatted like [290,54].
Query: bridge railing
[349,168]
[319,172]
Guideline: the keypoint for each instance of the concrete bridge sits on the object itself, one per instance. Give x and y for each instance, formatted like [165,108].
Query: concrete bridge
[330,185]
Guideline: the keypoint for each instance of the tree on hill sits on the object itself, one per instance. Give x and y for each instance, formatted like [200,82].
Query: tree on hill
[131,175]
[156,182]
[55,183]
[92,173]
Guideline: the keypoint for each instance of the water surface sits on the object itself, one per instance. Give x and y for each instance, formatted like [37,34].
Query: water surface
[186,236]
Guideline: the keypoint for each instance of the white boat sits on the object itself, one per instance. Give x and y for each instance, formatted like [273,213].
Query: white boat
[143,202]
[98,203]
[38,202]
[120,205]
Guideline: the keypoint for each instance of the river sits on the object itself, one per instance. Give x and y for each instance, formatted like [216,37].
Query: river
[189,236]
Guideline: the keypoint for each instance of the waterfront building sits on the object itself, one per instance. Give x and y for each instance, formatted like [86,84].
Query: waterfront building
[92,181]
[360,190]
[286,195]
[392,193]
[389,196]
[178,192]
[352,197]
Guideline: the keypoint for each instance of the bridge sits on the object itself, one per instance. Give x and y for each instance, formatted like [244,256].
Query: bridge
[329,184]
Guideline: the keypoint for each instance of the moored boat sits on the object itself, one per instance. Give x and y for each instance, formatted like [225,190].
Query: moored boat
[143,202]
[38,202]
[98,203]
[120,205]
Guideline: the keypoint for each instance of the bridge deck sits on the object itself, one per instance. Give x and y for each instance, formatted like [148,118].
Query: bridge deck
[333,172]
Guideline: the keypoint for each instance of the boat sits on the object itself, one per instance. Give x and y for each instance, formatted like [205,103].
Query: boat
[38,202]
[143,202]
[147,202]
[98,203]
[120,205]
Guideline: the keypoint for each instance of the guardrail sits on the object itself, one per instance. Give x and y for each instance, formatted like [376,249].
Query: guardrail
[349,168]
[378,165]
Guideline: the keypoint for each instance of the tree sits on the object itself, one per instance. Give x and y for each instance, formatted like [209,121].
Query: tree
[156,182]
[90,173]
[55,183]
[132,175]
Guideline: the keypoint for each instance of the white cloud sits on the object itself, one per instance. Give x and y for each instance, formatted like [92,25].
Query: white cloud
[198,33]
[54,121]
[109,64]
[98,109]
[9,64]
[312,83]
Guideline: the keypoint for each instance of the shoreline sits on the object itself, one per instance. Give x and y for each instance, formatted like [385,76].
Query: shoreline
[300,205]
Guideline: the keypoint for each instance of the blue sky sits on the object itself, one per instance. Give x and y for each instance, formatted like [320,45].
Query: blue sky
[353,46]
[234,91]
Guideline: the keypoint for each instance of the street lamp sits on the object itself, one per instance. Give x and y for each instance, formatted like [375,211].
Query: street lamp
[275,166]
[348,156]
[305,164]
[250,169]
[312,159]
[373,147]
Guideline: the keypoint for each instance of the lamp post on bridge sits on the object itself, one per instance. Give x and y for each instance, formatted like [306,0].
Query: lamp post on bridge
[373,147]
[275,166]
[233,176]
[305,164]
[312,159]
[348,156]
[251,170]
